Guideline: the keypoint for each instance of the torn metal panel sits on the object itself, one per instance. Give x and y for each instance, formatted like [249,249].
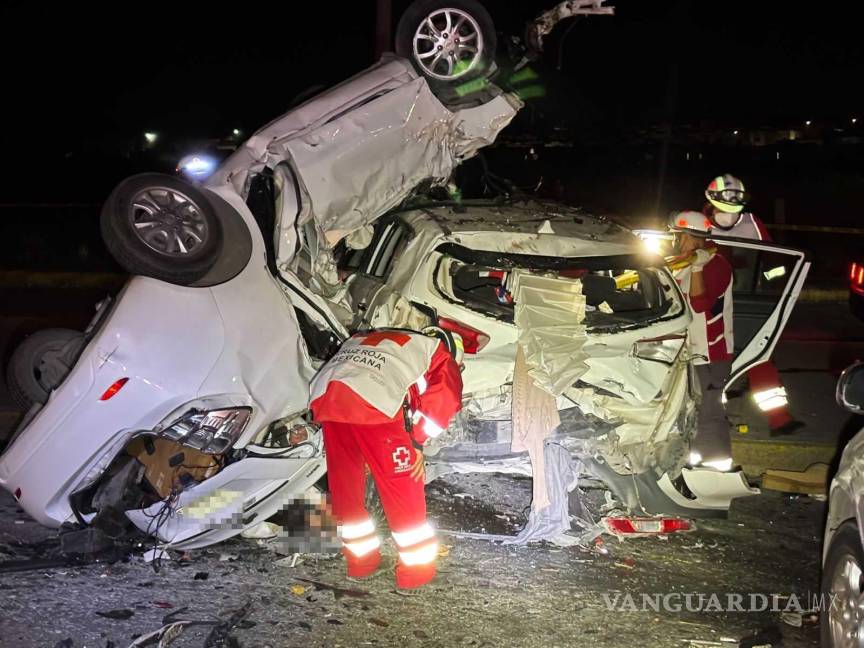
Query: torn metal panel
[548,316]
[367,161]
[546,21]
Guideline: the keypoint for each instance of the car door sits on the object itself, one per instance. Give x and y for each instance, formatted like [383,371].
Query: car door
[767,282]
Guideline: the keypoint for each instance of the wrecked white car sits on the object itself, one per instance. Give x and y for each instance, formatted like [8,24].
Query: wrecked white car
[181,408]
[600,323]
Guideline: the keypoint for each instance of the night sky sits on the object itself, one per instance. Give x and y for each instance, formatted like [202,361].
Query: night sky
[78,77]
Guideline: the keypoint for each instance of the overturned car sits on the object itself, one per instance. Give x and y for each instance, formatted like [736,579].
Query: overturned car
[182,408]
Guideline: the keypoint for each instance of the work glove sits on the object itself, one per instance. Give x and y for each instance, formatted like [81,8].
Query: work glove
[699,258]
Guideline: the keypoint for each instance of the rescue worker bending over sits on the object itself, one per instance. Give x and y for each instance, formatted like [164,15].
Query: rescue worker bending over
[707,282]
[379,399]
[726,201]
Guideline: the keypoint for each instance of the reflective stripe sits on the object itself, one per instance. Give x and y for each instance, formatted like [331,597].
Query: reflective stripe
[414,536]
[362,547]
[422,385]
[771,399]
[430,427]
[358,530]
[421,556]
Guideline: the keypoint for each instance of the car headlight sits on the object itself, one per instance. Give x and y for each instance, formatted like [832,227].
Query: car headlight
[210,432]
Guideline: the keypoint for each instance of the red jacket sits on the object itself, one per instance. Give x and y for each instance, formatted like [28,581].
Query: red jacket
[711,331]
[370,376]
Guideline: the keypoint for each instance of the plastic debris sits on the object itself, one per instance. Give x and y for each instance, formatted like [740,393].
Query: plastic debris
[154,554]
[298,590]
[262,531]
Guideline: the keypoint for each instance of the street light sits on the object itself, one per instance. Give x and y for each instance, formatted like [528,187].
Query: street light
[236,132]
[807,123]
[151,137]
[854,120]
[735,132]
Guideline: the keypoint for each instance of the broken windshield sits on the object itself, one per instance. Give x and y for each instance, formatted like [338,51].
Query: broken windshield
[621,291]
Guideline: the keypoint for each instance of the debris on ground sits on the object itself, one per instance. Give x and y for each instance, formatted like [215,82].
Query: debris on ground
[338,592]
[155,554]
[221,634]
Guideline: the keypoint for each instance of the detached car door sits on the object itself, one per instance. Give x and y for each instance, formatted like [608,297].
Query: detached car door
[768,280]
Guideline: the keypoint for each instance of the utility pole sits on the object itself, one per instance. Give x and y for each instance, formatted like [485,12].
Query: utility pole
[383,27]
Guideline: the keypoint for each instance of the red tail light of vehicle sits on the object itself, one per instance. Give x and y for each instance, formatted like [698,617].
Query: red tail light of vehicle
[856,277]
[622,526]
[473,339]
[111,392]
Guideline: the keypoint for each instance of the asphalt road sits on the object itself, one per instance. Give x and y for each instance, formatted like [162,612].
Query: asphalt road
[487,594]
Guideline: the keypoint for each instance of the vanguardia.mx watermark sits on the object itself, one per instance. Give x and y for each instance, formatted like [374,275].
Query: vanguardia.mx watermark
[728,602]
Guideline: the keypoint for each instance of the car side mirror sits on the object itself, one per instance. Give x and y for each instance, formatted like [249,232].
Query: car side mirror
[850,388]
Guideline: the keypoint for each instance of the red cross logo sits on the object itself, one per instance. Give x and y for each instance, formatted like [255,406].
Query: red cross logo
[402,459]
[376,338]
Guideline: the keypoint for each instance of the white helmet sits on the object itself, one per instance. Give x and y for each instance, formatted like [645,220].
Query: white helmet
[691,222]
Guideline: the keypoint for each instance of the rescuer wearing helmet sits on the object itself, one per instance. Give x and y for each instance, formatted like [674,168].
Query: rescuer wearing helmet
[727,198]
[379,399]
[707,282]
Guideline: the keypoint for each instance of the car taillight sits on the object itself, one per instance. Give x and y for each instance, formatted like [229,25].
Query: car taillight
[641,525]
[111,392]
[473,339]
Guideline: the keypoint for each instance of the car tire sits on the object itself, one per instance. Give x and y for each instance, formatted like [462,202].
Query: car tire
[414,35]
[40,364]
[842,577]
[160,226]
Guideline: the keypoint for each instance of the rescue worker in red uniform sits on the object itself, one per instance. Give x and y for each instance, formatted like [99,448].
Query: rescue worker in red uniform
[727,198]
[379,399]
[707,282]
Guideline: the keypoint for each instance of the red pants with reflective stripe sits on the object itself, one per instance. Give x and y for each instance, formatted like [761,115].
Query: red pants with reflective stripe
[390,455]
[761,378]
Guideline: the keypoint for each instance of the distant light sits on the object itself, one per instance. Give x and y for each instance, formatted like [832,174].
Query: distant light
[778,155]
[854,120]
[807,123]
[151,137]
[236,132]
[735,132]
[196,166]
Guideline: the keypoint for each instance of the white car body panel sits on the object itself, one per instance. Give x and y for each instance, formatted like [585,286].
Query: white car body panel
[239,342]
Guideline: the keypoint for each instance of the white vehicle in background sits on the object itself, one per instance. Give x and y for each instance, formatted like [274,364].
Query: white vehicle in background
[842,622]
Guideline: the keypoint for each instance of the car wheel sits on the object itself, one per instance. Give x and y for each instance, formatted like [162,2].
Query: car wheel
[842,615]
[159,226]
[41,363]
[450,42]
